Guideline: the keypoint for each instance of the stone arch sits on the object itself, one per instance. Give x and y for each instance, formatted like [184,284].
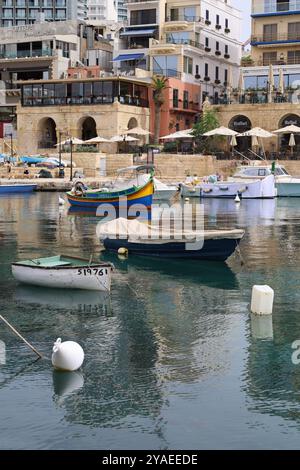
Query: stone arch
[241,123]
[132,123]
[47,136]
[284,139]
[87,128]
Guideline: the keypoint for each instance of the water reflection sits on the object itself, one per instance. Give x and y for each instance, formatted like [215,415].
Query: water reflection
[78,300]
[66,384]
[212,274]
[2,353]
[262,326]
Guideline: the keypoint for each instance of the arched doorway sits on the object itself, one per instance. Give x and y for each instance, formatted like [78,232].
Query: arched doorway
[241,124]
[88,128]
[284,139]
[132,123]
[47,137]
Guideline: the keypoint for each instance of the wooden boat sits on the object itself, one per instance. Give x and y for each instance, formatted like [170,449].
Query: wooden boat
[17,188]
[84,197]
[64,272]
[142,239]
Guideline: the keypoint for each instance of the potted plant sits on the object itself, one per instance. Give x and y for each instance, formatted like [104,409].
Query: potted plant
[218,52]
[227,30]
[207,22]
[227,56]
[218,26]
[207,49]
[206,79]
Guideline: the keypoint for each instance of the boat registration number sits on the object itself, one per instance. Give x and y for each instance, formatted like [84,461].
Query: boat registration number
[92,272]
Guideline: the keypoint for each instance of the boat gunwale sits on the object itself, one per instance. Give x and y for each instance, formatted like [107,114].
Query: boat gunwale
[100,264]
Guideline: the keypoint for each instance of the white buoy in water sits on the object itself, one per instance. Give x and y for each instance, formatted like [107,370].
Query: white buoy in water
[262,300]
[123,251]
[61,201]
[237,198]
[187,199]
[67,356]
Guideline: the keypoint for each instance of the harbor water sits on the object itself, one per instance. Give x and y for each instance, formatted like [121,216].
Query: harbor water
[174,359]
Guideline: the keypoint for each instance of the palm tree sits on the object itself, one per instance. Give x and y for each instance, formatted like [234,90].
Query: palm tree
[159,85]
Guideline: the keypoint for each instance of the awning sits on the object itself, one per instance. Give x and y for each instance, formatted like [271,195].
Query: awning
[122,57]
[138,32]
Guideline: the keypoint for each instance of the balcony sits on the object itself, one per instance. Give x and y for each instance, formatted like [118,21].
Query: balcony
[126,2]
[254,97]
[184,18]
[187,42]
[26,54]
[269,8]
[270,61]
[275,38]
[184,106]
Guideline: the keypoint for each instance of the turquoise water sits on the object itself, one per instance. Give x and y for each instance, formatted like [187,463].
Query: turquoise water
[173,358]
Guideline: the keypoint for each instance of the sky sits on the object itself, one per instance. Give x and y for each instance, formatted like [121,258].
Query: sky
[245,7]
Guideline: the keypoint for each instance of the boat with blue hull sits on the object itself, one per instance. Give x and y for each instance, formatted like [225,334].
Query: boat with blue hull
[141,239]
[17,188]
[84,197]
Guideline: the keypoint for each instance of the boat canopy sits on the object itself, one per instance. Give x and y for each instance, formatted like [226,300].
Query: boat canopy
[138,232]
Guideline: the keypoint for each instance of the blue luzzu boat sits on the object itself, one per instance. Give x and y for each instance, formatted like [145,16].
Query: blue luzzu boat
[141,239]
[84,197]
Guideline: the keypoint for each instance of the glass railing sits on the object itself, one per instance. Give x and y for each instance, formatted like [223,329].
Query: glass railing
[292,36]
[190,19]
[274,6]
[26,54]
[187,42]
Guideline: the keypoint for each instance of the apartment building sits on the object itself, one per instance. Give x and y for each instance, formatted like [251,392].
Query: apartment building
[197,41]
[23,12]
[102,10]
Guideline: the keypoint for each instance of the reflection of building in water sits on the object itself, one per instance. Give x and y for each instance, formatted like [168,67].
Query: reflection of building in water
[2,353]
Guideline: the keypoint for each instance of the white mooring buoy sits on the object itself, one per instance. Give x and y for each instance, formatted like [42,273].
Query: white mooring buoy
[123,251]
[262,300]
[61,201]
[237,198]
[67,356]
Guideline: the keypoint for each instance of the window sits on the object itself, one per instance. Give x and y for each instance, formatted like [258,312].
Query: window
[226,49]
[293,57]
[185,99]
[143,17]
[206,42]
[217,19]
[225,75]
[188,65]
[166,64]
[269,58]
[206,70]
[175,98]
[226,23]
[217,46]
[294,31]
[207,15]
[217,73]
[270,32]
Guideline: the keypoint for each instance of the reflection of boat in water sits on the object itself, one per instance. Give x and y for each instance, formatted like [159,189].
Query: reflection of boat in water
[211,274]
[17,188]
[79,301]
[94,212]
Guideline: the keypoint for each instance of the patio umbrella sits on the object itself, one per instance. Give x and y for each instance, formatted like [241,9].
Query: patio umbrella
[186,134]
[257,132]
[137,131]
[229,81]
[233,141]
[270,83]
[288,130]
[292,143]
[254,141]
[70,140]
[241,83]
[225,131]
[123,138]
[281,81]
[96,140]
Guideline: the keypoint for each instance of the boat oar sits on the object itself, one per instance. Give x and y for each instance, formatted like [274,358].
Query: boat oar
[20,336]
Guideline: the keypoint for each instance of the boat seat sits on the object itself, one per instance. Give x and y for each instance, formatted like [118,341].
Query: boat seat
[53,264]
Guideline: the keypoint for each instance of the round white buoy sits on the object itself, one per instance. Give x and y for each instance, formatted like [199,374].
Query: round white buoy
[237,198]
[61,201]
[187,199]
[67,356]
[262,300]
[123,251]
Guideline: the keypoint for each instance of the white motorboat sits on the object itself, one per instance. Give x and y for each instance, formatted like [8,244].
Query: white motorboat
[246,188]
[286,185]
[64,272]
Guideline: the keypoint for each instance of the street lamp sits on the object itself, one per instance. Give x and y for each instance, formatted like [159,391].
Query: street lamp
[71,150]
